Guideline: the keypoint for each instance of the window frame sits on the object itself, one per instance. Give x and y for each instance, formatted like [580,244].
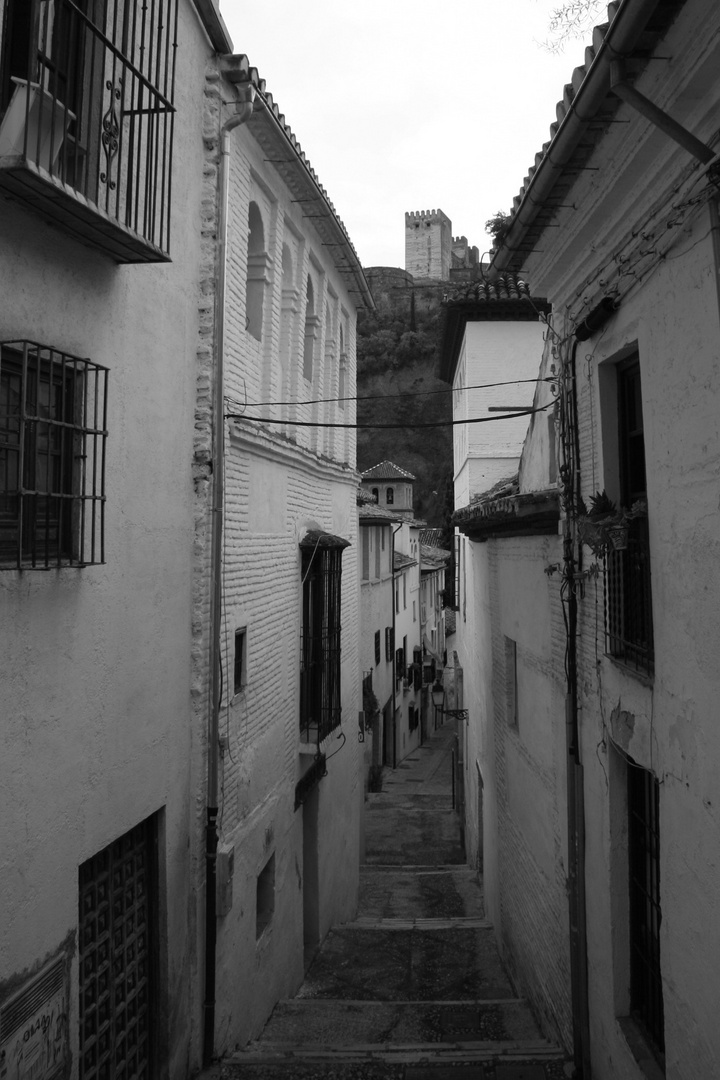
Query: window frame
[628,585]
[321,633]
[240,660]
[64,495]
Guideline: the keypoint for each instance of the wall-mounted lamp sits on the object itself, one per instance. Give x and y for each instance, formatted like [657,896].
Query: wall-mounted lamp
[437,693]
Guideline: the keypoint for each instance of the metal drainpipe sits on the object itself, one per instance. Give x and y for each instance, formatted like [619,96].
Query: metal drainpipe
[575,778]
[246,95]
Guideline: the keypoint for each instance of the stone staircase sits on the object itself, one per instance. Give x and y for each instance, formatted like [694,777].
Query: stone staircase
[414,988]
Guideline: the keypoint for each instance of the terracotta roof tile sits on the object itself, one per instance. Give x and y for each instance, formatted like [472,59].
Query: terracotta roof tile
[387,470]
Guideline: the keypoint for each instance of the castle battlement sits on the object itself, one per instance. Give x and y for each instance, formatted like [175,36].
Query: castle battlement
[428,244]
[421,215]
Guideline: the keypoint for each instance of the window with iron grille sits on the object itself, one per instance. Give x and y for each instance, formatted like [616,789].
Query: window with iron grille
[389,643]
[320,697]
[377,647]
[52,458]
[118,958]
[628,596]
[646,995]
[86,129]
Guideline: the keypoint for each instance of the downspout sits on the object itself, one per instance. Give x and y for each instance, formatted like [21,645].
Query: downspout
[575,776]
[246,94]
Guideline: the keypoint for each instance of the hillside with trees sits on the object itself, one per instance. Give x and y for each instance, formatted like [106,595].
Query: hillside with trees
[398,360]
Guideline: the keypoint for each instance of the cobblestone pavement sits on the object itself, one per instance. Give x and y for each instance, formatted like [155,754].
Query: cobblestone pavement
[414,988]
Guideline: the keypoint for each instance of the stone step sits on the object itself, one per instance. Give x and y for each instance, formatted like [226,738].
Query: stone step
[452,962]
[301,1024]
[464,1061]
[427,892]
[368,922]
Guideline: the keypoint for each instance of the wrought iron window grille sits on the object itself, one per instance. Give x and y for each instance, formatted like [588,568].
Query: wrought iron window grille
[53,433]
[320,683]
[87,118]
[646,993]
[628,601]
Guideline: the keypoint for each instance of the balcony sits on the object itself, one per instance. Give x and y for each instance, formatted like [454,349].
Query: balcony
[86,119]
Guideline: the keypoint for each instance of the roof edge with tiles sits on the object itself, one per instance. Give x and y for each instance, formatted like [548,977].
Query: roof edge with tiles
[582,103]
[297,172]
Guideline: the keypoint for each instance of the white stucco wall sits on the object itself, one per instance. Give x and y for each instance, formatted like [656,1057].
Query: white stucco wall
[668,312]
[492,352]
[95,661]
[280,482]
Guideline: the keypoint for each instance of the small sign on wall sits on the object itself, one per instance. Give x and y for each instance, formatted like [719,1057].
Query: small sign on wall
[34,1042]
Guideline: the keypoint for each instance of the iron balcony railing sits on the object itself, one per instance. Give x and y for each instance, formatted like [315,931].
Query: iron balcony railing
[629,601]
[86,98]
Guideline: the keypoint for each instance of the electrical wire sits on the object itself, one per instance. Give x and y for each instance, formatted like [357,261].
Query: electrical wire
[390,427]
[389,397]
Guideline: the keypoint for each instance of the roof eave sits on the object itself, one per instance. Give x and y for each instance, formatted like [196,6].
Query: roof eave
[267,112]
[620,39]
[214,25]
[533,514]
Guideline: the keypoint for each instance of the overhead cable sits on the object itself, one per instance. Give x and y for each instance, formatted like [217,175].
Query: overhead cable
[410,424]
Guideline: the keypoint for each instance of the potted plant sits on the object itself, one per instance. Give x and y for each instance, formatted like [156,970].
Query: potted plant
[603,526]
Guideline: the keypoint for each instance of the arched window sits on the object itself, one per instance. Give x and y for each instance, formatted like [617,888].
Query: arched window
[311,323]
[342,372]
[390,496]
[256,276]
[376,495]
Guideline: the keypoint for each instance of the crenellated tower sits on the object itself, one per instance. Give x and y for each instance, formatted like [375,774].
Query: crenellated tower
[428,244]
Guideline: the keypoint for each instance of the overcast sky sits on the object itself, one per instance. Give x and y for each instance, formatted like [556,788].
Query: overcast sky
[410,105]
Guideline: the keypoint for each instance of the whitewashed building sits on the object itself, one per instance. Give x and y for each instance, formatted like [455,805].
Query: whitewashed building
[377,633]
[276,361]
[619,677]
[100,236]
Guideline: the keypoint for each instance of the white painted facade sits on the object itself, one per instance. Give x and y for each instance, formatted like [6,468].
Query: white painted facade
[506,647]
[377,652]
[643,232]
[96,681]
[408,628]
[492,352]
[289,338]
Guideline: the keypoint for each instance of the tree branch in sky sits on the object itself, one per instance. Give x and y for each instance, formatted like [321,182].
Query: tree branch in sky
[573,19]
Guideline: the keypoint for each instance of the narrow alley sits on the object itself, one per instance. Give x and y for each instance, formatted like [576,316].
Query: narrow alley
[414,988]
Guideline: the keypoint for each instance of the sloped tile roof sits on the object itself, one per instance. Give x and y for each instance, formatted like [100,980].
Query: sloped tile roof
[503,286]
[431,537]
[373,512]
[433,558]
[401,561]
[505,511]
[632,30]
[387,470]
[274,134]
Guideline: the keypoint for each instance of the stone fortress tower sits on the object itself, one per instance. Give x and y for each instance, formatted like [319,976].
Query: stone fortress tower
[431,251]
